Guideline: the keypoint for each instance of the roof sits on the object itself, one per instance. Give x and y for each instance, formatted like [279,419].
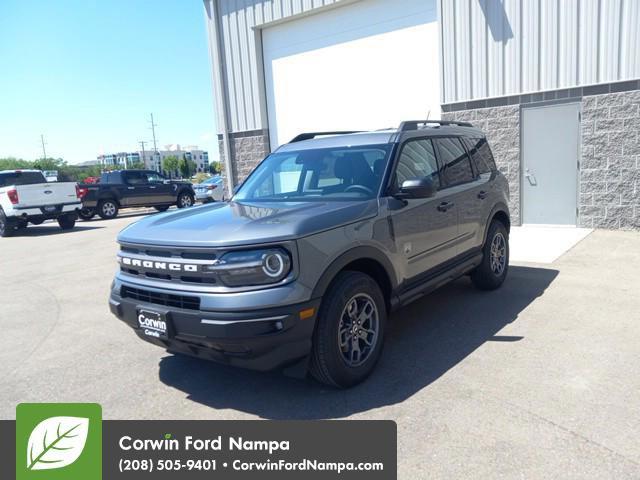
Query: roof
[379,137]
[30,170]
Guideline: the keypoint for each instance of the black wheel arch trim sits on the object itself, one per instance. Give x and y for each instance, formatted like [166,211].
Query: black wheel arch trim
[350,256]
[498,208]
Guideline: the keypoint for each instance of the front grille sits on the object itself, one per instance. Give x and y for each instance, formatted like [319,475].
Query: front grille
[177,301]
[152,262]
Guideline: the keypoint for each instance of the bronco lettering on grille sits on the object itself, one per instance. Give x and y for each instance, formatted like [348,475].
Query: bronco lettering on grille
[172,266]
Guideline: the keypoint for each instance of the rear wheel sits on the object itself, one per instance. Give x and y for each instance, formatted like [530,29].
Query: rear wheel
[6,228]
[107,209]
[185,200]
[162,208]
[491,273]
[87,214]
[67,222]
[350,330]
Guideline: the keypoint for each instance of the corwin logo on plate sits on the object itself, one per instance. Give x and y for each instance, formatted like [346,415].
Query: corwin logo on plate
[58,441]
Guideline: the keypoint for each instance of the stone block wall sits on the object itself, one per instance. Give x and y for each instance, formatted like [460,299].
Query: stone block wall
[247,150]
[610,166]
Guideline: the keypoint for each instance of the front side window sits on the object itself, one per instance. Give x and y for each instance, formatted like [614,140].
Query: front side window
[135,178]
[455,161]
[417,160]
[341,173]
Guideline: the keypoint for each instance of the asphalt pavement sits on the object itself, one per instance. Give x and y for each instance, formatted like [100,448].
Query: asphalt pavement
[540,379]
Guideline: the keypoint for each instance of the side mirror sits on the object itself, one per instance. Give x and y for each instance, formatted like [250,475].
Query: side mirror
[423,187]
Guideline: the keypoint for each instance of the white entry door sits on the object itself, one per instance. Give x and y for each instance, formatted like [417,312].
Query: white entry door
[551,136]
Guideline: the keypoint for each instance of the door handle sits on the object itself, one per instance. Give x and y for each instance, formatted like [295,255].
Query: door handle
[482,195]
[531,177]
[151,186]
[444,206]
[131,188]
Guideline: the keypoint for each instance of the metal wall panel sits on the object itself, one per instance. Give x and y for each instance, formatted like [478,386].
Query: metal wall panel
[241,54]
[492,48]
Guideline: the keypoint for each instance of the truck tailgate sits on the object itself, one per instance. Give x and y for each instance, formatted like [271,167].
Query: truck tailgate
[43,194]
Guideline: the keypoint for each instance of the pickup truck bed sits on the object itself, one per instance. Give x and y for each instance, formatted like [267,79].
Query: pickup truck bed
[26,197]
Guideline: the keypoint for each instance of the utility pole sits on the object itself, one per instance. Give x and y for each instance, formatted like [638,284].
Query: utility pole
[44,152]
[144,156]
[155,147]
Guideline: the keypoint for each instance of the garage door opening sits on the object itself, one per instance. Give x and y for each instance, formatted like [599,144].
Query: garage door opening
[369,65]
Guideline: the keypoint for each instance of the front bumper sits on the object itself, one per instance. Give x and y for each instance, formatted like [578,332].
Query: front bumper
[258,339]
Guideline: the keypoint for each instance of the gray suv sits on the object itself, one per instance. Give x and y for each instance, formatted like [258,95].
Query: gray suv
[326,237]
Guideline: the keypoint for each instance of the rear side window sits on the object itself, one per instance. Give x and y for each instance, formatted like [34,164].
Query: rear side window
[417,160]
[456,166]
[135,178]
[481,154]
[21,178]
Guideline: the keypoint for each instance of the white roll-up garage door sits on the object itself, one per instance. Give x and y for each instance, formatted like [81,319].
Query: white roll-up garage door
[366,65]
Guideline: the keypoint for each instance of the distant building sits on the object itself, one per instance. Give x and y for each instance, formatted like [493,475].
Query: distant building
[121,159]
[153,160]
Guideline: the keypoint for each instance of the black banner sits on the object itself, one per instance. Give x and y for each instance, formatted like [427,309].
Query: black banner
[176,449]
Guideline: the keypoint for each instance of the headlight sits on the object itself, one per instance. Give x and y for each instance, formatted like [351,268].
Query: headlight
[253,267]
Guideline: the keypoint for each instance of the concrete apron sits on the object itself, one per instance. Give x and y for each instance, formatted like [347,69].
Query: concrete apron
[543,243]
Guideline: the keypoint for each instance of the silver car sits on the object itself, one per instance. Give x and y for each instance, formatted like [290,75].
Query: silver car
[211,190]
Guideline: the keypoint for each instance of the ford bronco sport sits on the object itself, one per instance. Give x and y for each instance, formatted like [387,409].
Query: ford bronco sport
[326,237]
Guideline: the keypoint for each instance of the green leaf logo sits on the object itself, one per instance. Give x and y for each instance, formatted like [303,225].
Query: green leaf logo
[56,442]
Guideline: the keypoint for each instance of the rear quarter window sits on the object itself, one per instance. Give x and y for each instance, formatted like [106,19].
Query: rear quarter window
[481,154]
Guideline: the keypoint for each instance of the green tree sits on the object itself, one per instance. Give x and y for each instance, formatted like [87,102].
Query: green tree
[187,167]
[215,168]
[171,165]
[135,166]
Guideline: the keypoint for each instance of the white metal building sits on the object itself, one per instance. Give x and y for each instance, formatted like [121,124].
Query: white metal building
[554,83]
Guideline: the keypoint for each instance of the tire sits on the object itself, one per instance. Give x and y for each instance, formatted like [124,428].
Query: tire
[162,208]
[491,273]
[108,209]
[87,214]
[67,222]
[333,360]
[7,229]
[185,200]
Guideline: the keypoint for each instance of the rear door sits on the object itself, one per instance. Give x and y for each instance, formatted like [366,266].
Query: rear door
[135,190]
[462,188]
[424,230]
[159,191]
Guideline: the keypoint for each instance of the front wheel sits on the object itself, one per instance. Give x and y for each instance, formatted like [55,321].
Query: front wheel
[107,209]
[67,222]
[490,274]
[86,213]
[185,200]
[350,330]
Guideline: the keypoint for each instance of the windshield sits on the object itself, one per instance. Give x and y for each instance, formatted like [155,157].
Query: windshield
[341,173]
[21,178]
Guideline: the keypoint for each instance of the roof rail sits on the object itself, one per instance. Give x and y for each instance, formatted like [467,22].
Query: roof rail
[310,135]
[413,124]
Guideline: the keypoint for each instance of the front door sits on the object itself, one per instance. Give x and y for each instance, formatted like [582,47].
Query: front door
[550,164]
[425,229]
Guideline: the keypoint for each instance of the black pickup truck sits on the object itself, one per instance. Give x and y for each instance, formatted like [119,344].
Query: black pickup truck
[132,188]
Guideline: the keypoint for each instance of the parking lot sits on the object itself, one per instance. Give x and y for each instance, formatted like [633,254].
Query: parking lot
[539,379]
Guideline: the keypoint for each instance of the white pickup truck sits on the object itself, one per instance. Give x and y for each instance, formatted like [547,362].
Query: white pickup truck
[26,197]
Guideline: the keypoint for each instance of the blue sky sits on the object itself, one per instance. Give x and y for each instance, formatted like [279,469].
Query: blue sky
[87,74]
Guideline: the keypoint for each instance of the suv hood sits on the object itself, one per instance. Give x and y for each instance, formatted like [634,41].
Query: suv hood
[234,223]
